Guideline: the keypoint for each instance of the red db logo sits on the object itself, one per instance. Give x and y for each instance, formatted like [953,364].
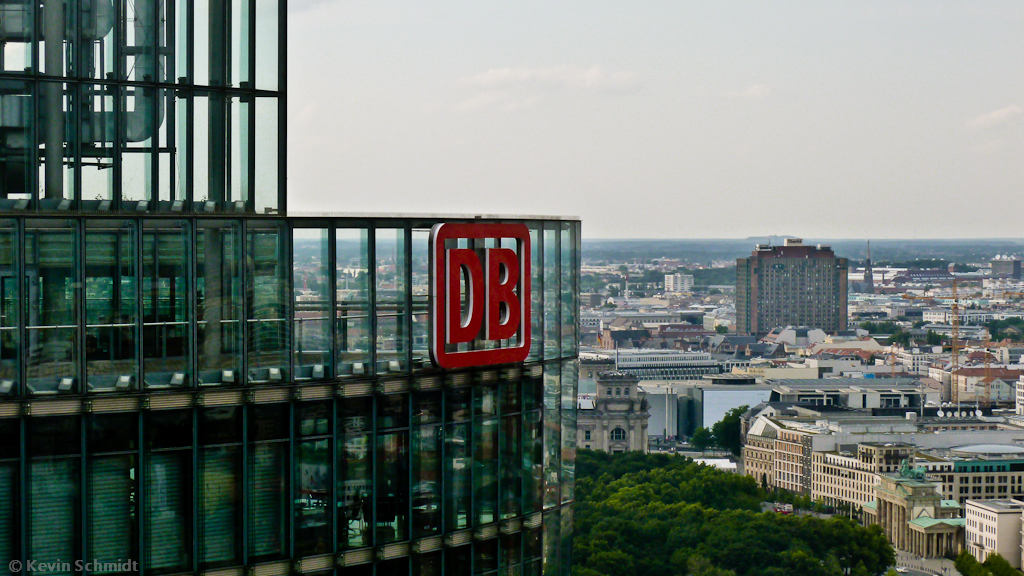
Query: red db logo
[495,284]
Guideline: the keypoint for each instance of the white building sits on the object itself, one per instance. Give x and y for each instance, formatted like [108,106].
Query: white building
[994,526]
[678,282]
[916,360]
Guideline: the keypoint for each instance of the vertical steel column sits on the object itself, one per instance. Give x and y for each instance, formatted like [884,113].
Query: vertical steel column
[53,35]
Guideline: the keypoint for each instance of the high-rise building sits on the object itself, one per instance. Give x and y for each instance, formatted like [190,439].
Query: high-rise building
[678,282]
[1004,266]
[791,285]
[194,382]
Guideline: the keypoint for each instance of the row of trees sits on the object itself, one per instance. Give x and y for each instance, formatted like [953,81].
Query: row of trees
[994,565]
[724,434]
[662,515]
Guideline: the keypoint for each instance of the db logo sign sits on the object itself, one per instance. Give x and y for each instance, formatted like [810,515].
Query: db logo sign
[479,294]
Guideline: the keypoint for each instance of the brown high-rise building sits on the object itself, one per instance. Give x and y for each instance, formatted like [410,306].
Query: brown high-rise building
[791,285]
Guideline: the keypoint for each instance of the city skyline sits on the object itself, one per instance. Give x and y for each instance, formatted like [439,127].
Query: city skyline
[863,120]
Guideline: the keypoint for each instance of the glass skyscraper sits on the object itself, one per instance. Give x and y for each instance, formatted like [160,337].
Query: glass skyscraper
[192,380]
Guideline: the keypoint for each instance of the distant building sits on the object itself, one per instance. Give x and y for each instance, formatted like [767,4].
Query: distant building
[791,285]
[615,419]
[1006,267]
[994,526]
[678,282]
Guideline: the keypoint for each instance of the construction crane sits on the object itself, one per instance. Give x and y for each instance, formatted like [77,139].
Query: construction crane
[954,340]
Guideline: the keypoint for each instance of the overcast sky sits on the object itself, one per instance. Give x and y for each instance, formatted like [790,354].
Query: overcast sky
[666,119]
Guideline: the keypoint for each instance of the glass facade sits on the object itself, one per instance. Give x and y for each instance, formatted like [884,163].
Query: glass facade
[194,381]
[209,392]
[142,105]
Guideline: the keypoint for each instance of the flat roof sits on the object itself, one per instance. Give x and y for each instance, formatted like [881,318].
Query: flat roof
[998,505]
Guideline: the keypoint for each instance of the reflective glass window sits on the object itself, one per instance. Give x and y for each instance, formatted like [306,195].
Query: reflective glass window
[392,301]
[53,496]
[166,303]
[457,477]
[536,293]
[112,488]
[485,470]
[485,556]
[219,301]
[552,541]
[552,292]
[420,291]
[268,480]
[111,305]
[219,486]
[352,314]
[312,293]
[167,490]
[355,472]
[267,270]
[51,314]
[267,151]
[552,434]
[570,375]
[10,304]
[312,514]
[10,496]
[392,509]
[569,291]
[426,490]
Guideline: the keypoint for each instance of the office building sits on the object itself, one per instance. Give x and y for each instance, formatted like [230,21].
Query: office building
[791,285]
[1004,266]
[678,282]
[193,380]
[994,526]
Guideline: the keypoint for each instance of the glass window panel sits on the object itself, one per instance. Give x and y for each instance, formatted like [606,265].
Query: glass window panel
[220,512]
[427,564]
[570,374]
[111,305]
[167,503]
[420,264]
[202,50]
[552,541]
[10,304]
[536,294]
[240,137]
[392,300]
[142,113]
[219,301]
[458,404]
[313,497]
[268,422]
[268,264]
[267,145]
[183,179]
[111,513]
[9,511]
[52,508]
[220,425]
[312,328]
[485,556]
[352,313]
[426,408]
[426,490]
[485,470]
[510,400]
[392,510]
[166,303]
[268,499]
[485,399]
[552,434]
[511,552]
[268,65]
[393,411]
[55,172]
[217,123]
[182,25]
[568,278]
[168,429]
[457,479]
[565,553]
[20,21]
[314,419]
[533,462]
[18,161]
[200,177]
[458,561]
[355,469]
[241,40]
[511,467]
[98,136]
[552,296]
[51,315]
[113,433]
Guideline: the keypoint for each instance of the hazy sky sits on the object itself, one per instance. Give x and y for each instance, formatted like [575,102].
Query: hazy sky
[666,119]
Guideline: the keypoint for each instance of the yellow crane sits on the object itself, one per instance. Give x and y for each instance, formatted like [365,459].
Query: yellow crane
[954,340]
